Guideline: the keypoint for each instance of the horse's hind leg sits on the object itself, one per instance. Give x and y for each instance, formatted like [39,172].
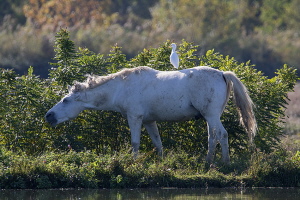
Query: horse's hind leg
[224,144]
[212,141]
[217,133]
[154,134]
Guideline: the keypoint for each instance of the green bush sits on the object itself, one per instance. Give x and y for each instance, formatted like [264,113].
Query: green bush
[22,107]
[25,100]
[278,169]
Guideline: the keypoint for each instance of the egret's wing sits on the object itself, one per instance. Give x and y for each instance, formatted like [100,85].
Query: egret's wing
[174,59]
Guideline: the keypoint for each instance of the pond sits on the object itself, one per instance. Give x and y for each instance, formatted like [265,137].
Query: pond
[154,194]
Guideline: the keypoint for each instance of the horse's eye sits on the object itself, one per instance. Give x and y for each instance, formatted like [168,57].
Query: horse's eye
[65,101]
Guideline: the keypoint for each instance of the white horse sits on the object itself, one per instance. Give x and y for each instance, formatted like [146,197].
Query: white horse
[144,95]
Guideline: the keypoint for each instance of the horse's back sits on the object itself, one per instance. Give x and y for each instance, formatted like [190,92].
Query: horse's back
[177,95]
[207,89]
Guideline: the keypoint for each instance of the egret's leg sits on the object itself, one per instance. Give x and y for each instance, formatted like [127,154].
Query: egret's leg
[135,124]
[154,134]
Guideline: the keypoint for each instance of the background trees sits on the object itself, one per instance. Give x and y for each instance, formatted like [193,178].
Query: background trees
[263,31]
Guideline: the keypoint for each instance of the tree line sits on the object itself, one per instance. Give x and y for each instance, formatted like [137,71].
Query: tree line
[263,31]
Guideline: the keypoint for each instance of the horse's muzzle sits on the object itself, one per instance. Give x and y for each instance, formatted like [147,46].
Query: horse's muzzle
[50,118]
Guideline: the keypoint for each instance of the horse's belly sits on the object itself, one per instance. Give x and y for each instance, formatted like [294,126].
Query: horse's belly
[169,113]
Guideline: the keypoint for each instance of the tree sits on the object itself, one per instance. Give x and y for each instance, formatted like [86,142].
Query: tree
[12,9]
[66,13]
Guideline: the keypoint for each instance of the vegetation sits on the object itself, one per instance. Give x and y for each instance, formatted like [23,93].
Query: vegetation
[24,127]
[119,170]
[92,150]
[263,31]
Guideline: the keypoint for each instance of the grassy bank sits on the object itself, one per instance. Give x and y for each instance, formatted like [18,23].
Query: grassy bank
[177,169]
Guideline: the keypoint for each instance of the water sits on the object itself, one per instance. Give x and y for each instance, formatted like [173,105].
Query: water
[154,194]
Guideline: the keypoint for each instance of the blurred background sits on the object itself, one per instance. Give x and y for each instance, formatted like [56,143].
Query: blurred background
[267,32]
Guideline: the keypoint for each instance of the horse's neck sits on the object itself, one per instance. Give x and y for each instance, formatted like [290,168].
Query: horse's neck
[103,96]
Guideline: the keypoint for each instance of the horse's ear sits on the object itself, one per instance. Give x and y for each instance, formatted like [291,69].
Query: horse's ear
[69,88]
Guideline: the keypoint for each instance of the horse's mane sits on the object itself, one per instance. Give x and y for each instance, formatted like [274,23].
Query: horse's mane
[94,81]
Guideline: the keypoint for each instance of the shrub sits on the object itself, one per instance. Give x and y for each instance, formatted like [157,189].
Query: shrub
[25,130]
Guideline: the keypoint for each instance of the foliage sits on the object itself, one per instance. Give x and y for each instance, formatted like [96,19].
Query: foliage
[22,127]
[279,169]
[82,152]
[83,13]
[12,8]
[264,32]
[67,13]
[25,130]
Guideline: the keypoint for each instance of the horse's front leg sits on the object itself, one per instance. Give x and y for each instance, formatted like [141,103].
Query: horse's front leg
[135,124]
[155,137]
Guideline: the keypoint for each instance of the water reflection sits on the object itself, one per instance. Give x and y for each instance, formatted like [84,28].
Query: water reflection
[153,194]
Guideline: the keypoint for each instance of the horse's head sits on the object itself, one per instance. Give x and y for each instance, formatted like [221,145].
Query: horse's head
[67,108]
[86,95]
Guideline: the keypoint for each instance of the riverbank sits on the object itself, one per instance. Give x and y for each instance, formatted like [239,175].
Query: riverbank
[155,194]
[177,169]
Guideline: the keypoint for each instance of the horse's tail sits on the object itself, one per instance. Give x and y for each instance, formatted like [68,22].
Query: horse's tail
[243,102]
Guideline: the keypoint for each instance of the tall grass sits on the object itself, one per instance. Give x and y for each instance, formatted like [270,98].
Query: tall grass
[87,169]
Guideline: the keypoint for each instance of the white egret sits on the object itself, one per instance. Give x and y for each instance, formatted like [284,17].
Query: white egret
[174,59]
